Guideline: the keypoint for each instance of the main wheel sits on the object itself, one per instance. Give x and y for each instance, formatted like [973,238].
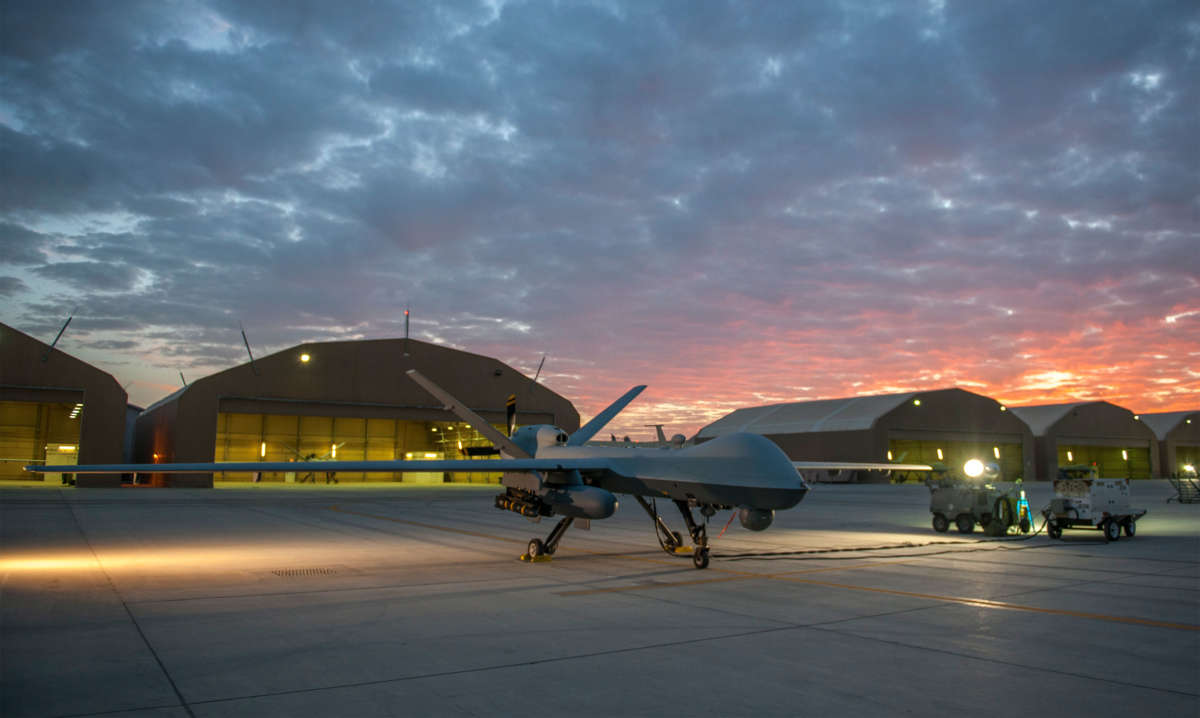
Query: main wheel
[1112,530]
[1025,525]
[1130,527]
[536,548]
[700,557]
[965,523]
[940,523]
[1053,530]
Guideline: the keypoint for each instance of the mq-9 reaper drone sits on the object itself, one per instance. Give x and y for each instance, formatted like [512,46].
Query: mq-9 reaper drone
[547,472]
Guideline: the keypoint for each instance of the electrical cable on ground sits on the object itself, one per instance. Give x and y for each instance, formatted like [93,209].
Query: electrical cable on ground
[822,554]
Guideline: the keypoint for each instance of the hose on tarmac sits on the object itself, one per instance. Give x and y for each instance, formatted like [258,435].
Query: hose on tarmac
[999,543]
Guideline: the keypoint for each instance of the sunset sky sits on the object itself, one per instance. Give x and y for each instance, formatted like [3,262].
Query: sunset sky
[735,203]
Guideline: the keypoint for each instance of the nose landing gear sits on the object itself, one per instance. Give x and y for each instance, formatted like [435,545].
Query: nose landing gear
[539,550]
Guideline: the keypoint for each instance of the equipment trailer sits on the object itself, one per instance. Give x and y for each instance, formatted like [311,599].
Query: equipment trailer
[1093,503]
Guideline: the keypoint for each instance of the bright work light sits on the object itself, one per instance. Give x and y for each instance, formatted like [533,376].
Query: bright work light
[973,468]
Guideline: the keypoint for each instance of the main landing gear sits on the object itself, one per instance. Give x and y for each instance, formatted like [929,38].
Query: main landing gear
[540,550]
[672,541]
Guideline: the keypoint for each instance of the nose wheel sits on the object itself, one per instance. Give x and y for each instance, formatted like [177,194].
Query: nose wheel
[539,550]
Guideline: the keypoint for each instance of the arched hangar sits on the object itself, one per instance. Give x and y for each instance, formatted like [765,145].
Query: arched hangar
[56,409]
[1178,435]
[347,400]
[1096,433]
[949,426]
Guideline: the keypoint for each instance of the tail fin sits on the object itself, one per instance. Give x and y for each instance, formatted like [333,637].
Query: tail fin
[588,430]
[510,410]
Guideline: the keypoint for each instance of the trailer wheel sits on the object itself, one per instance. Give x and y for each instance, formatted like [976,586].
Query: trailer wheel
[1053,530]
[1130,527]
[965,523]
[940,524]
[1112,530]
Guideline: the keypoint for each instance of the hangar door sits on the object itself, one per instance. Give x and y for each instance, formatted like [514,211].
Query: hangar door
[1185,455]
[954,454]
[1113,462]
[34,432]
[310,440]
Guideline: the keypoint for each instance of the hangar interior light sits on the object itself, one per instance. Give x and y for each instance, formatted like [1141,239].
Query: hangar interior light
[940,456]
[262,451]
[996,451]
[889,455]
[1070,456]
[1124,454]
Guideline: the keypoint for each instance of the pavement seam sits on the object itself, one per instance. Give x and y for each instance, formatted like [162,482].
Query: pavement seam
[959,654]
[132,619]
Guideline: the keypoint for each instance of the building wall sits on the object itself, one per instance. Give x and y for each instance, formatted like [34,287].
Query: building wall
[964,424]
[974,424]
[1103,428]
[1181,446]
[61,378]
[361,379]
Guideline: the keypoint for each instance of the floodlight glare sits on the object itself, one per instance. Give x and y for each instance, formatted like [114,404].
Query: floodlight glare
[973,468]
[304,358]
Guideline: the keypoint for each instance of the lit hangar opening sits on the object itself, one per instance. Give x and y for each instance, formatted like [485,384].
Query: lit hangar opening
[56,410]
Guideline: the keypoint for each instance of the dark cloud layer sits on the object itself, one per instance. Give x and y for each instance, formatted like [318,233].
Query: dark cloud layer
[734,202]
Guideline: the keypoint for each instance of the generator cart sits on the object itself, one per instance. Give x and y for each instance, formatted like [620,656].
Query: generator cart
[968,501]
[1082,500]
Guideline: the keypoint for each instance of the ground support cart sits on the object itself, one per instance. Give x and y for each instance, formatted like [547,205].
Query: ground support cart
[1092,503]
[966,503]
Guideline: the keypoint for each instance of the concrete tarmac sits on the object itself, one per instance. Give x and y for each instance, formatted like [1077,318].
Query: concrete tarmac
[404,601]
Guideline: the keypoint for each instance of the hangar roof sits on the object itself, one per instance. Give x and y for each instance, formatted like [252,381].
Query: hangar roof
[1164,423]
[856,413]
[1039,419]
